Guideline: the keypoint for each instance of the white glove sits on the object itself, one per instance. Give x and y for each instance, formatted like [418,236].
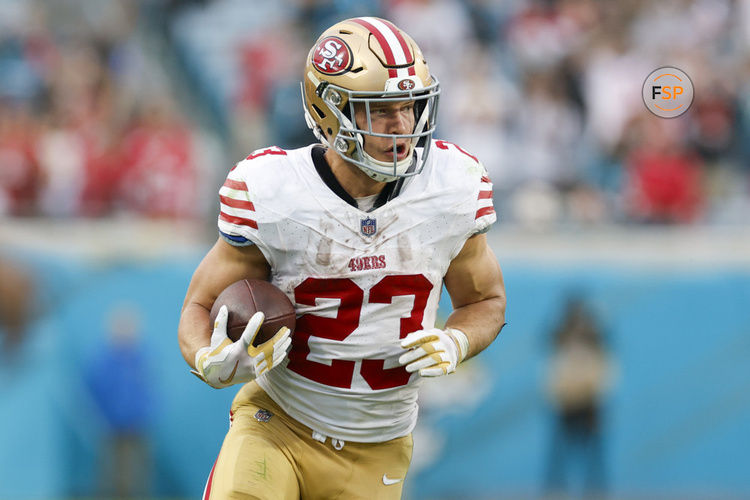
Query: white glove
[434,352]
[226,363]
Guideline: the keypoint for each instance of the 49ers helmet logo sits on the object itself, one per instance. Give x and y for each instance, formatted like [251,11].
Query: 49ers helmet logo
[332,56]
[406,84]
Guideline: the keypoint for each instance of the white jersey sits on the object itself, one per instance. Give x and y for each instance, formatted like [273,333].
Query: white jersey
[360,281]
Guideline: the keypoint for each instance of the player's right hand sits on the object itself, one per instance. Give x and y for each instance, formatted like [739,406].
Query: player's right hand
[225,363]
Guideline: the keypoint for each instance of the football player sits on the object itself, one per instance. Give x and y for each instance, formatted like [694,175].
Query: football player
[361,231]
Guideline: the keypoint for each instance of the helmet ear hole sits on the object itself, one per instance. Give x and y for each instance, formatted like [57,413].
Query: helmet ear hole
[319,111]
[330,131]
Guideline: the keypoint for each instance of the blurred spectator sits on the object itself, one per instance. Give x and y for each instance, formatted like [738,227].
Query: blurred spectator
[549,128]
[269,63]
[21,79]
[78,141]
[664,177]
[157,164]
[477,115]
[443,47]
[317,15]
[62,157]
[577,379]
[16,289]
[715,126]
[19,169]
[118,376]
[612,80]
[541,34]
[74,76]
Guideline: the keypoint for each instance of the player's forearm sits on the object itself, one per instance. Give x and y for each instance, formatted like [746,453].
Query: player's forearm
[194,331]
[480,321]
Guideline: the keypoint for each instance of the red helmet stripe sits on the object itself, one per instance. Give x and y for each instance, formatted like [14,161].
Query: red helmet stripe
[389,59]
[393,49]
[401,41]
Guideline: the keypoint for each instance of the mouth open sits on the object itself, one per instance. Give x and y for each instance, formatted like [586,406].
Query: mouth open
[402,150]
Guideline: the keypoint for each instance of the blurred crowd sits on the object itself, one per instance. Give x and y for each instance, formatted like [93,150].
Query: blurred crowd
[88,124]
[546,92]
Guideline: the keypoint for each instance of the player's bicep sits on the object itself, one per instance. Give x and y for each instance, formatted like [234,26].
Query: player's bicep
[474,274]
[223,265]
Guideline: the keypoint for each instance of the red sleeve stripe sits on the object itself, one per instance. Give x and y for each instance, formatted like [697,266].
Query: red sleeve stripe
[273,150]
[484,195]
[484,211]
[235,203]
[233,184]
[486,179]
[240,221]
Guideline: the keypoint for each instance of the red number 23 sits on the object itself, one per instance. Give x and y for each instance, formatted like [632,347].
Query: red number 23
[341,371]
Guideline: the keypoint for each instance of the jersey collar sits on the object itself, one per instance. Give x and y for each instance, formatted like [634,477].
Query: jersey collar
[390,191]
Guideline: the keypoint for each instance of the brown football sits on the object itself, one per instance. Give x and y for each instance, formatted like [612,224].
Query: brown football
[246,297]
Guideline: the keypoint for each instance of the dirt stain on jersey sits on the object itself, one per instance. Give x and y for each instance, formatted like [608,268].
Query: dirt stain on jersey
[405,249]
[328,253]
[323,253]
[323,246]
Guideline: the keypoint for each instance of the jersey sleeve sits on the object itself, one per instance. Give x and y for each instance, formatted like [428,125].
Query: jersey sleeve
[466,170]
[485,215]
[238,221]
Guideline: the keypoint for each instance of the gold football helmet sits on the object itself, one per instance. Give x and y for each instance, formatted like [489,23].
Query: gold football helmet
[365,60]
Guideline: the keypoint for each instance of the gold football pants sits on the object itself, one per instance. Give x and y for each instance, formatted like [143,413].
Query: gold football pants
[268,455]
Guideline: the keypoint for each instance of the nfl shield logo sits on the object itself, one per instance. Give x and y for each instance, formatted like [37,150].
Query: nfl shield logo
[263,415]
[368,226]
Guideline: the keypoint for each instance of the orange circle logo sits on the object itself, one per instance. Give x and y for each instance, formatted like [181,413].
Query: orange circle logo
[668,92]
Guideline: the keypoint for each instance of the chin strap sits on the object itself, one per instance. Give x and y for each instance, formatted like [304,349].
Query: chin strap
[381,177]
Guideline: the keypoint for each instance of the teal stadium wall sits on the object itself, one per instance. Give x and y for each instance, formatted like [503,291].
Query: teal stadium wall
[677,419]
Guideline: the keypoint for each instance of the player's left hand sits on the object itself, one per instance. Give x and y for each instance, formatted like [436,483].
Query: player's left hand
[432,352]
